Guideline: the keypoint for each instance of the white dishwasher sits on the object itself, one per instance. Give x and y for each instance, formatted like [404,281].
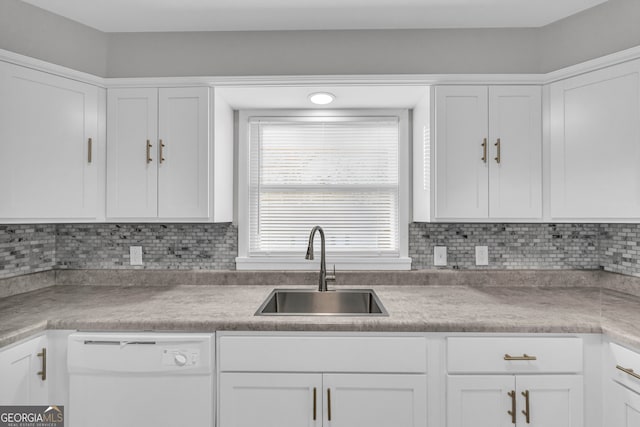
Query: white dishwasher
[140,380]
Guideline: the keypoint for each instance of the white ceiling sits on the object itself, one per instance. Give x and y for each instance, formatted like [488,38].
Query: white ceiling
[296,97]
[249,15]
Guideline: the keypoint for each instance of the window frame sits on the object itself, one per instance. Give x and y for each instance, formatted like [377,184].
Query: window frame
[274,262]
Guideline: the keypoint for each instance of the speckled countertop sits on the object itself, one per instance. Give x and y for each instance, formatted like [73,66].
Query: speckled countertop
[452,307]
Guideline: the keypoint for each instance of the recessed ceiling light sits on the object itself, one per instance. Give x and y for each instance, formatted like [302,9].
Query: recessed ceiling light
[322,98]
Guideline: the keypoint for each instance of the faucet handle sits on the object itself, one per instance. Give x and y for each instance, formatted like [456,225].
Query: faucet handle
[331,277]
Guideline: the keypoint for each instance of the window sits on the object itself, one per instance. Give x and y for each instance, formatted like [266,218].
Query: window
[346,173]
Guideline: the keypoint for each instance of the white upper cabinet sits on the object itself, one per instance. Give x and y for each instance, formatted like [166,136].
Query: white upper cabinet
[594,147]
[50,152]
[515,135]
[488,153]
[132,167]
[461,152]
[158,154]
[183,176]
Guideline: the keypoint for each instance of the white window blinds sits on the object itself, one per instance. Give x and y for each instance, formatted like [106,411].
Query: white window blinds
[340,173]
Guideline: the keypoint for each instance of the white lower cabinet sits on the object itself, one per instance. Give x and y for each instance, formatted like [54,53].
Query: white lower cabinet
[375,400]
[622,387]
[479,401]
[23,370]
[270,400]
[499,400]
[622,407]
[290,399]
[522,381]
[554,400]
[322,380]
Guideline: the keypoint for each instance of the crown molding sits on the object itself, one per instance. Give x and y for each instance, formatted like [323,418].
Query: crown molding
[48,67]
[593,65]
[381,79]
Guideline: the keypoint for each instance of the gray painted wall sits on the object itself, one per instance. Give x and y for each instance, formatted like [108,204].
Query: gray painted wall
[323,52]
[610,27]
[607,28]
[33,32]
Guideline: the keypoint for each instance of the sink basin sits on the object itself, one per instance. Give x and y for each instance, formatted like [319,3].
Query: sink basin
[308,302]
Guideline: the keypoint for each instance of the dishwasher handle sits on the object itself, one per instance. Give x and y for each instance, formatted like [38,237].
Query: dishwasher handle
[120,343]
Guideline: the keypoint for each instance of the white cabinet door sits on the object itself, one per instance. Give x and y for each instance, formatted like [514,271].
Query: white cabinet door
[515,135]
[462,158]
[158,154]
[622,406]
[46,171]
[183,170]
[375,400]
[554,400]
[595,145]
[132,161]
[270,400]
[479,400]
[20,366]
[488,153]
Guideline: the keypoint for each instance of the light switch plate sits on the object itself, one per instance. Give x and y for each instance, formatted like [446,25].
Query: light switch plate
[439,256]
[135,255]
[482,255]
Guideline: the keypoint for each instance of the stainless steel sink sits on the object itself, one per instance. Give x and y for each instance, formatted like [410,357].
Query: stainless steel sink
[307,302]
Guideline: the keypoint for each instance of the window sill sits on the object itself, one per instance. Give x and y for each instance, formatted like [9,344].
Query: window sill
[342,263]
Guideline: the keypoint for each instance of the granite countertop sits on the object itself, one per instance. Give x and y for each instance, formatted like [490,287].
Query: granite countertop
[412,308]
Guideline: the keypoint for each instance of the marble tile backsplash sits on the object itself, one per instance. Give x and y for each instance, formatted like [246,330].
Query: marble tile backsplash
[33,248]
[26,249]
[511,246]
[620,248]
[164,246]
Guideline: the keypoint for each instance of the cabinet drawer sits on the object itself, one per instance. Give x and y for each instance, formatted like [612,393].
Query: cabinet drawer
[507,355]
[623,365]
[323,354]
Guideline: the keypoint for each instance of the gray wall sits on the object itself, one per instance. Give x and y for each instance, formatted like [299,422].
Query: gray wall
[605,29]
[33,32]
[323,52]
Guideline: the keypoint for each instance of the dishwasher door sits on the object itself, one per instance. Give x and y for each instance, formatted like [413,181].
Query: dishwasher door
[140,380]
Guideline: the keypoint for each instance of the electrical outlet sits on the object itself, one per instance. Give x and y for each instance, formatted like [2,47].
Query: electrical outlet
[135,255]
[439,256]
[482,255]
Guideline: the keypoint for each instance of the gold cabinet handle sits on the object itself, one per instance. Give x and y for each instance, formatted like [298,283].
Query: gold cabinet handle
[512,412]
[89,150]
[43,372]
[523,357]
[484,150]
[315,402]
[526,411]
[628,371]
[329,404]
[497,144]
[162,151]
[149,159]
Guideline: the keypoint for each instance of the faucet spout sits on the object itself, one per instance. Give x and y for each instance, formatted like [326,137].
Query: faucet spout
[324,277]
